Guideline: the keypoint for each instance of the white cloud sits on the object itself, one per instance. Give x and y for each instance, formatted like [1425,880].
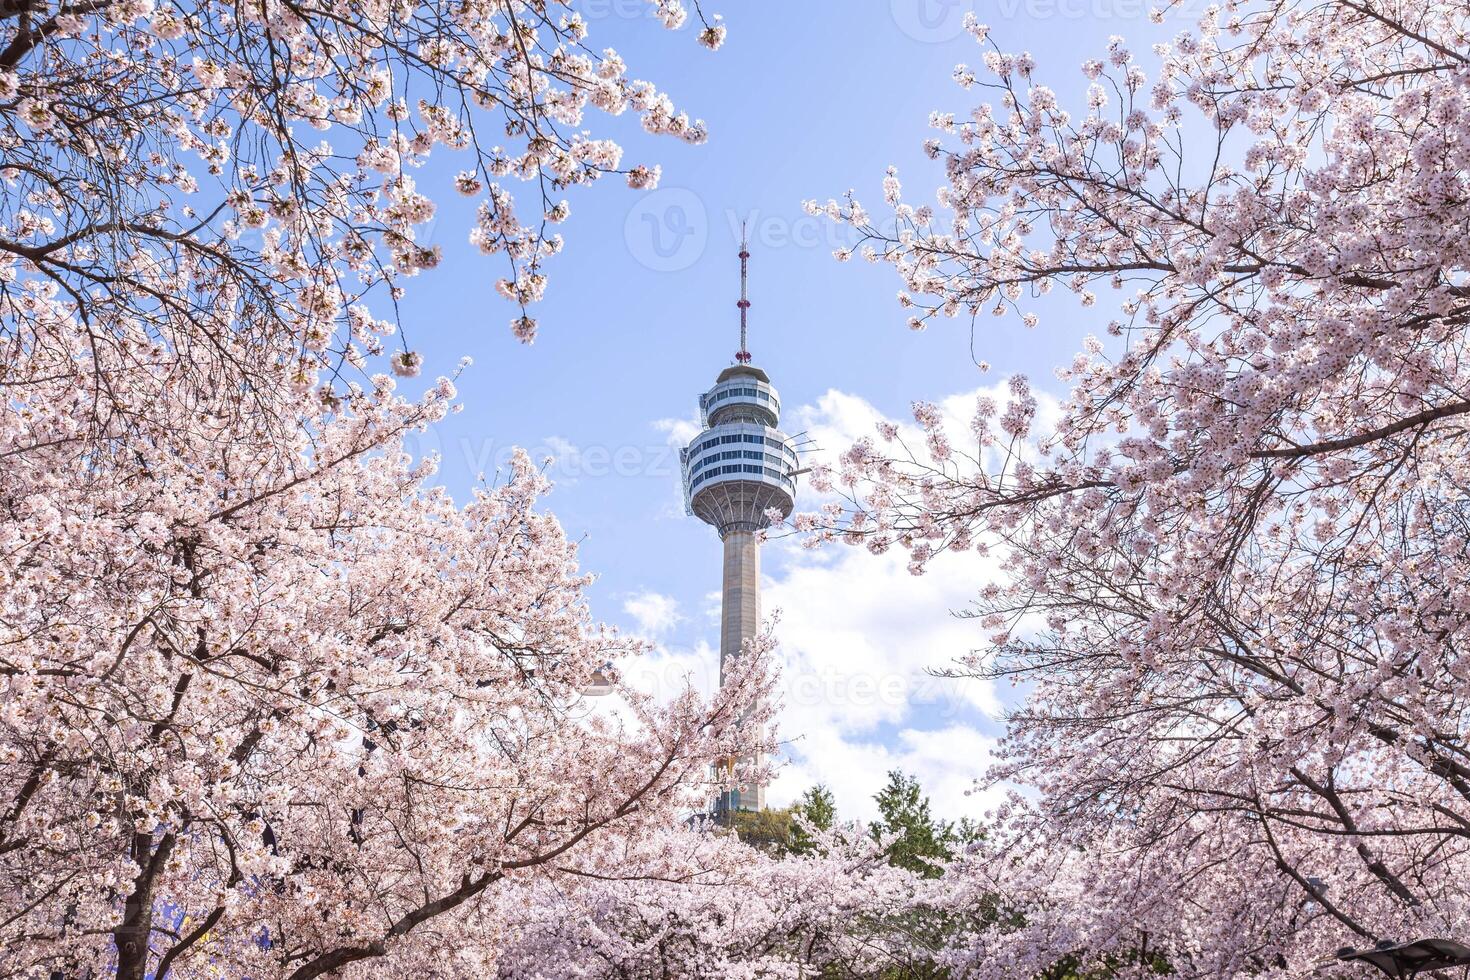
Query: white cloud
[860,636]
[678,431]
[654,612]
[562,447]
[666,671]
[946,761]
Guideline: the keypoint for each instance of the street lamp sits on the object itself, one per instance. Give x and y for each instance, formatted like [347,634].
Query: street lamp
[1404,960]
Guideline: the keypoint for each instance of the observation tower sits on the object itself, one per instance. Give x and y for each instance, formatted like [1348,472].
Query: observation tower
[740,466]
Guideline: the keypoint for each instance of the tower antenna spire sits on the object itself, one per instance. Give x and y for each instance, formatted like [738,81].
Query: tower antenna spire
[743,355]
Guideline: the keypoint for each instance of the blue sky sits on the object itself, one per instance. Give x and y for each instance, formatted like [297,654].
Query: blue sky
[807,99]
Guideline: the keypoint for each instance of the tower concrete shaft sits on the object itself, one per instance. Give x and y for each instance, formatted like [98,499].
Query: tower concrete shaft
[740,617]
[740,599]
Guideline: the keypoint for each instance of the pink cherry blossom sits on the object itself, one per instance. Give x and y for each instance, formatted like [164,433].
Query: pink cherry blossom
[271,703]
[1236,562]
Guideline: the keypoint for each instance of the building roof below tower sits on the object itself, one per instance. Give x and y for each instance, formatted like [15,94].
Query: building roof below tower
[742,371]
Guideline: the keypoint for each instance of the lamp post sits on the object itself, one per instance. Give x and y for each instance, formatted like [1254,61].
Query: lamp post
[1404,960]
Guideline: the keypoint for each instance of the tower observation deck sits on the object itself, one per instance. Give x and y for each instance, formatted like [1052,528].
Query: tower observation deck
[740,466]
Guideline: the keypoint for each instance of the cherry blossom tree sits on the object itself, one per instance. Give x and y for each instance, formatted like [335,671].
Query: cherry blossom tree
[209,172]
[693,905]
[271,703]
[1237,564]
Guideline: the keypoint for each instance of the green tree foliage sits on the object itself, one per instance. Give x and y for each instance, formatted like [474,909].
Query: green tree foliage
[777,831]
[923,843]
[818,808]
[768,830]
